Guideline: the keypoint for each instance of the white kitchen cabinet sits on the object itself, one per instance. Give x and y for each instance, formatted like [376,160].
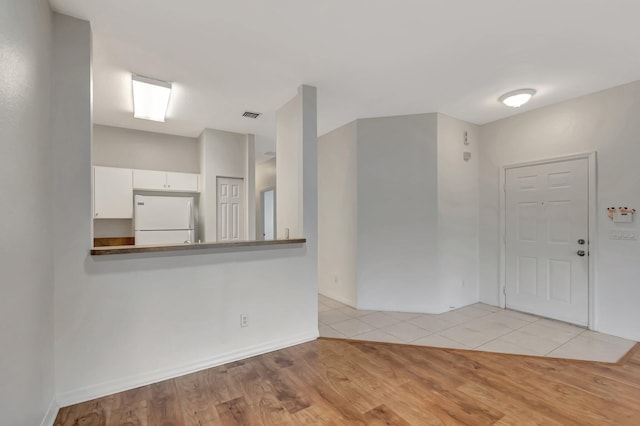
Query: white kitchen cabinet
[152,180]
[112,193]
[182,181]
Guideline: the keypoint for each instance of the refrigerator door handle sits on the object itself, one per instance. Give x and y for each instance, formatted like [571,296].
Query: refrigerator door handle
[190,215]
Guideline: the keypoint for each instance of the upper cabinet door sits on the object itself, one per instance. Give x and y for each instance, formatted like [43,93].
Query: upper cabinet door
[112,193]
[150,179]
[187,182]
[153,180]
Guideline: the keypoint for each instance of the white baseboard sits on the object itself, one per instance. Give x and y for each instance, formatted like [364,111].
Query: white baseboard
[51,414]
[107,388]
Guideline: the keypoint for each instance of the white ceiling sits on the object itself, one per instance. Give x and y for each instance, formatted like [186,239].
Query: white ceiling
[366,57]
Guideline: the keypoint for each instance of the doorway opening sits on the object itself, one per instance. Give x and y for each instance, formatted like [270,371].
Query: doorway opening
[268,212]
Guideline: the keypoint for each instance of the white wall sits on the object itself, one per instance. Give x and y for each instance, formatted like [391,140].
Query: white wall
[606,122]
[458,211]
[122,321]
[135,149]
[337,213]
[71,136]
[26,286]
[265,179]
[224,154]
[397,214]
[113,228]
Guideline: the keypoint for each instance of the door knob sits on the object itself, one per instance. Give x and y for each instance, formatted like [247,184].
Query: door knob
[581,253]
[581,241]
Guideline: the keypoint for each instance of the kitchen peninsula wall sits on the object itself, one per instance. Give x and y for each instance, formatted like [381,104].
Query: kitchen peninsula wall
[127,320]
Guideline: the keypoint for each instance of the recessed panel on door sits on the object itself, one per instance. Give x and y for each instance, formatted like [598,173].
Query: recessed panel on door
[559,180]
[560,280]
[527,183]
[224,221]
[527,275]
[527,221]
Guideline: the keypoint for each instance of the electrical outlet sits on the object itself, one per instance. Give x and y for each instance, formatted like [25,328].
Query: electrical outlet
[244,320]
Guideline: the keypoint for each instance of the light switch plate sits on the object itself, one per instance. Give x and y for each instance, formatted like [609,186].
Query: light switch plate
[620,217]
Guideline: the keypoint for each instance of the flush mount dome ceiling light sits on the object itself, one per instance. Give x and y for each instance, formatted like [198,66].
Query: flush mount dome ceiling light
[517,98]
[150,98]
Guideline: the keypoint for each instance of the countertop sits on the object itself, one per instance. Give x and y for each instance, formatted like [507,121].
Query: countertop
[100,251]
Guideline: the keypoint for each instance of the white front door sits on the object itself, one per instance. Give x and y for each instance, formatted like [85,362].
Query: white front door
[547,226]
[230,209]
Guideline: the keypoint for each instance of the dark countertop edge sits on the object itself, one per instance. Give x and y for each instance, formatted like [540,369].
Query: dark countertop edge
[101,251]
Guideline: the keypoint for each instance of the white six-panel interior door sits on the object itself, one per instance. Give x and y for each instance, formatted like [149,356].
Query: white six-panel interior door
[546,239]
[230,220]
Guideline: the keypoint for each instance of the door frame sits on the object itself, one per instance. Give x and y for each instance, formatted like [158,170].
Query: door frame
[592,220]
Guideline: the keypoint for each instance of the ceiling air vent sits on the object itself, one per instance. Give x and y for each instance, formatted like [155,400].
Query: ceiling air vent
[250,114]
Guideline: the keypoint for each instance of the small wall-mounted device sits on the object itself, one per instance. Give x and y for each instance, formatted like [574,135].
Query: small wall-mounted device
[466,156]
[466,138]
[621,214]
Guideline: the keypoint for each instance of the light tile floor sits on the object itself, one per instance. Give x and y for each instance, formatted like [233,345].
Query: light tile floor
[478,327]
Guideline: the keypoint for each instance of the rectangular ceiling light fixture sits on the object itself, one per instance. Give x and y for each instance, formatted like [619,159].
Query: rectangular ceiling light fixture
[150,98]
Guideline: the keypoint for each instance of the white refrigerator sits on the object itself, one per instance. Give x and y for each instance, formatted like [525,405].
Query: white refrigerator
[164,220]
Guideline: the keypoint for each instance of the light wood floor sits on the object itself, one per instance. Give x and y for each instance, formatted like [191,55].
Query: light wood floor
[338,382]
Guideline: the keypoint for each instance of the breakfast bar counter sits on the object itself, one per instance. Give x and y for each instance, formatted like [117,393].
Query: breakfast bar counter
[100,251]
